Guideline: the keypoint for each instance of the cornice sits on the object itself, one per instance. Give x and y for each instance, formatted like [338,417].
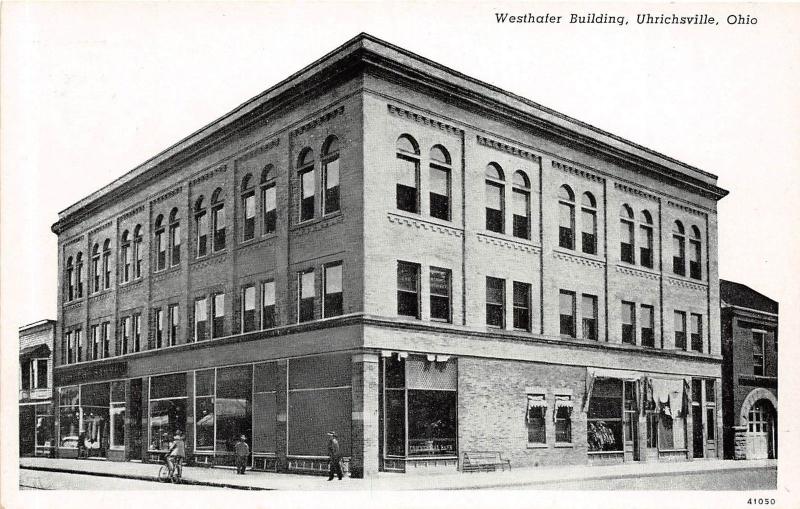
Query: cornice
[580,260]
[685,208]
[638,273]
[166,196]
[636,192]
[421,224]
[326,117]
[424,120]
[508,243]
[131,213]
[100,228]
[504,147]
[202,178]
[578,171]
[265,147]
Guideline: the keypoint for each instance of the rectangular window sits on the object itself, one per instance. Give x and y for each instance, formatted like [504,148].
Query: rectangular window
[96,274]
[711,398]
[566,225]
[408,289]
[78,345]
[126,334]
[249,226]
[589,316]
[535,418]
[41,373]
[137,333]
[104,334]
[158,322]
[25,375]
[269,204]
[305,296]
[626,242]
[647,317]
[604,427]
[588,231]
[495,209]
[106,270]
[680,330]
[307,195]
[646,246]
[697,332]
[695,271]
[563,417]
[566,311]
[137,256]
[440,294]
[495,302]
[69,358]
[629,323]
[218,217]
[331,175]
[248,308]
[521,201]
[332,304]
[758,353]
[407,184]
[95,339]
[439,182]
[200,318]
[202,234]
[678,255]
[161,251]
[268,304]
[218,312]
[175,242]
[522,306]
[174,323]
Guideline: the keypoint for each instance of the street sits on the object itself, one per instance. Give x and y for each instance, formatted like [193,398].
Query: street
[41,480]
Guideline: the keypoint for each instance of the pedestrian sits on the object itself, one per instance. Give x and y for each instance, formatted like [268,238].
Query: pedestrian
[335,456]
[242,453]
[82,451]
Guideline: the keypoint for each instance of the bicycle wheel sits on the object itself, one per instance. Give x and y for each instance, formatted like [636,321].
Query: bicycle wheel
[163,474]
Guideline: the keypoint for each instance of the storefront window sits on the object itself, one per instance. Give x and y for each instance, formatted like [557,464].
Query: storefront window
[233,406]
[431,423]
[670,411]
[118,415]
[264,407]
[395,406]
[167,409]
[44,426]
[95,403]
[69,416]
[204,410]
[604,426]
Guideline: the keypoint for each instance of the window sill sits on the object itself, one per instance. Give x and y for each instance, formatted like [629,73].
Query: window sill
[537,446]
[564,445]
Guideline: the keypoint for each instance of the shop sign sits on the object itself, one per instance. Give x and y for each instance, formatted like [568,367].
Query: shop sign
[90,373]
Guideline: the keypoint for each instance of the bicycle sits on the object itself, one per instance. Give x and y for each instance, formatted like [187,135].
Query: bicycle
[167,473]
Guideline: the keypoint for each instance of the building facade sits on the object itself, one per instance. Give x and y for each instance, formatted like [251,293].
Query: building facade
[36,436]
[749,372]
[384,247]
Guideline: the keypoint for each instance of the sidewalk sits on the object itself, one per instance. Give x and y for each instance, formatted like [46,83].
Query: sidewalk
[227,478]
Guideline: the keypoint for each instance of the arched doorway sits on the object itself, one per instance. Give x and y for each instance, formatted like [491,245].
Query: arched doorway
[761,431]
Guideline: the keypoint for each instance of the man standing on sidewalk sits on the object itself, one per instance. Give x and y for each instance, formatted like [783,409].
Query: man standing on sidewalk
[335,456]
[242,453]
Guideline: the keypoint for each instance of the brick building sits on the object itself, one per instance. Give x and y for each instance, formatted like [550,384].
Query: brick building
[36,388]
[384,247]
[749,372]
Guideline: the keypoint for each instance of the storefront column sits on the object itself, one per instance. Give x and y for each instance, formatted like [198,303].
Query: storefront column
[189,431]
[364,432]
[145,422]
[281,402]
[128,422]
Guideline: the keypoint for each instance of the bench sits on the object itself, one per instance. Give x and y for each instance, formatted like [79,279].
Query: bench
[484,461]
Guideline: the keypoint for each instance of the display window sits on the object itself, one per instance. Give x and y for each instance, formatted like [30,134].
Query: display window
[167,412]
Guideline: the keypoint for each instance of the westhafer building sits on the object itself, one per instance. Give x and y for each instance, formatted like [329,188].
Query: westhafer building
[386,248]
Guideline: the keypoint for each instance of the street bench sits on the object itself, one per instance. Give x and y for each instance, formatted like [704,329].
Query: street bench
[484,461]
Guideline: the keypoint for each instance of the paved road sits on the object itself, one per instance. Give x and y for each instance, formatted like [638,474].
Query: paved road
[736,480]
[40,480]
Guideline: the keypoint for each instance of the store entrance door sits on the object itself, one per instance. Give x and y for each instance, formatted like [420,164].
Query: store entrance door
[27,427]
[759,430]
[697,431]
[135,420]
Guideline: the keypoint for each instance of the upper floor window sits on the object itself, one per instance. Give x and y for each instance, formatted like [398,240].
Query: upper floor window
[79,275]
[218,315]
[646,319]
[521,203]
[440,294]
[566,217]
[495,302]
[107,264]
[248,208]
[697,332]
[68,348]
[106,339]
[495,198]
[305,295]
[34,374]
[158,327]
[408,289]
[174,238]
[305,171]
[160,242]
[70,279]
[646,239]
[588,224]
[332,304]
[695,271]
[200,318]
[678,249]
[268,304]
[626,249]
[137,332]
[680,330]
[330,175]
[173,314]
[407,174]
[201,227]
[218,219]
[439,183]
[589,316]
[758,353]
[248,308]
[268,203]
[522,306]
[566,311]
[95,287]
[126,256]
[137,251]
[125,327]
[628,323]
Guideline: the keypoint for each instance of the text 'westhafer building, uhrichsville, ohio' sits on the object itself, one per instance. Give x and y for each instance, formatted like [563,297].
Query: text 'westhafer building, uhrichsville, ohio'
[386,248]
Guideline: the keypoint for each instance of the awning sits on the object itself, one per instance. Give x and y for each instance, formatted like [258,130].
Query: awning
[34,352]
[537,402]
[619,374]
[668,396]
[562,402]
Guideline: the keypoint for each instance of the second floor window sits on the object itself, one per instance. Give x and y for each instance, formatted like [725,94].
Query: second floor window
[248,308]
[137,333]
[439,183]
[268,203]
[158,326]
[589,316]
[626,248]
[646,240]
[106,339]
[408,289]
[697,332]
[628,323]
[200,318]
[646,319]
[495,199]
[305,295]
[218,315]
[758,353]
[695,254]
[566,311]
[332,304]
[566,218]
[125,325]
[174,323]
[248,208]
[407,174]
[588,224]
[268,304]
[495,302]
[330,175]
[521,198]
[440,294]
[522,306]
[680,330]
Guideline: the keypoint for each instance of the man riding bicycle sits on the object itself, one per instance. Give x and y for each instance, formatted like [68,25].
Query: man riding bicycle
[177,453]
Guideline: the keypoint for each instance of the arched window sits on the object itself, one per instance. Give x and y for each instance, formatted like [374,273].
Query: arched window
[695,254]
[137,251]
[646,239]
[626,239]
[218,219]
[678,249]
[174,238]
[125,256]
[521,205]
[588,223]
[70,279]
[201,226]
[95,286]
[160,243]
[107,264]
[248,208]
[330,175]
[268,204]
[79,275]
[495,190]
[439,182]
[407,174]
[307,177]
[566,217]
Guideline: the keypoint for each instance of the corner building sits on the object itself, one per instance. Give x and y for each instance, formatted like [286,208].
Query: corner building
[384,247]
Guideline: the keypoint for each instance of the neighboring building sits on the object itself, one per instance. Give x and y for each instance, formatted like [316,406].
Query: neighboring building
[36,389]
[386,248]
[749,372]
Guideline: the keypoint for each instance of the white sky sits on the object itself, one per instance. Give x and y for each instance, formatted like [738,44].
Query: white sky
[89,91]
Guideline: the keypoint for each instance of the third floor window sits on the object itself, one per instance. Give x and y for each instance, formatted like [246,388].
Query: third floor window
[521,202]
[407,174]
[330,176]
[495,199]
[439,183]
[566,217]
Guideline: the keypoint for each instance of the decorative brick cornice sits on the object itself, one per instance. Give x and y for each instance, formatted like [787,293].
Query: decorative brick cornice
[638,273]
[101,297]
[688,209]
[131,213]
[422,119]
[100,228]
[509,244]
[74,240]
[581,260]
[321,224]
[73,305]
[578,171]
[424,225]
[129,287]
[266,147]
[166,196]
[206,262]
[167,274]
[636,191]
[208,175]
[498,145]
[686,284]
[317,121]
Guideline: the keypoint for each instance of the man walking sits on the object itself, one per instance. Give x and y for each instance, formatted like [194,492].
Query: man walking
[242,453]
[335,456]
